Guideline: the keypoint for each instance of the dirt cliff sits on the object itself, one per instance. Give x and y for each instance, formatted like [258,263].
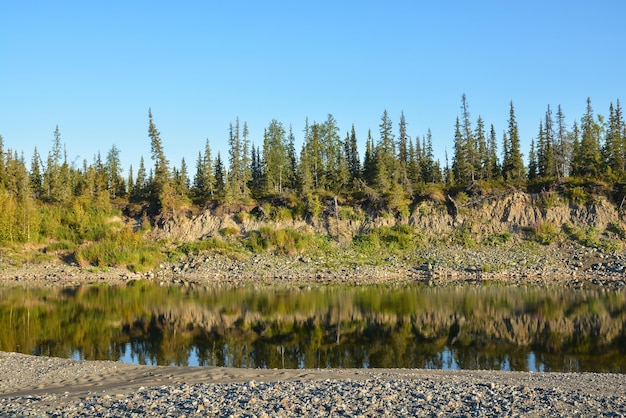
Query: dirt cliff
[512,212]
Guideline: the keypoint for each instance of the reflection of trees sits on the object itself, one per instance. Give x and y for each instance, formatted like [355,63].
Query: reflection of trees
[375,326]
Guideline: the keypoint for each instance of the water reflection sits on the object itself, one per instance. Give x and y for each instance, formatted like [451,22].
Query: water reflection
[473,327]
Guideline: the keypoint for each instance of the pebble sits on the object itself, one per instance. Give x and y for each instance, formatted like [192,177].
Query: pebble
[401,397]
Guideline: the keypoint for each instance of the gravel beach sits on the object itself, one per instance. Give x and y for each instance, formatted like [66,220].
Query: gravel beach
[52,387]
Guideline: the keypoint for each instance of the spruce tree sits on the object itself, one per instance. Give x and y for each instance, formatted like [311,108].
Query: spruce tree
[161,164]
[589,156]
[513,167]
[36,177]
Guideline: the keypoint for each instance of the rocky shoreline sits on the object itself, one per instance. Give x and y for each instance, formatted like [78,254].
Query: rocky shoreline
[567,265]
[50,387]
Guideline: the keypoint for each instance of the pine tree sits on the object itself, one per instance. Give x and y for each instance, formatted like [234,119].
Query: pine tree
[181,180]
[469,143]
[513,167]
[204,179]
[589,158]
[482,160]
[369,163]
[495,170]
[36,177]
[403,139]
[275,159]
[130,182]
[113,171]
[352,152]
[246,161]
[386,167]
[614,142]
[292,177]
[199,179]
[234,182]
[161,164]
[532,161]
[461,166]
[220,176]
[139,192]
[563,147]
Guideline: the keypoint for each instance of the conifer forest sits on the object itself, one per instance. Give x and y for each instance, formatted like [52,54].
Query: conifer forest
[46,201]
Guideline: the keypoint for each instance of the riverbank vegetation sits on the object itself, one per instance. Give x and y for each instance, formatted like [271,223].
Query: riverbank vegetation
[94,216]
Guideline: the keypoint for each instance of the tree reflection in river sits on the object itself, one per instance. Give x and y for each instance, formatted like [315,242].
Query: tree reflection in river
[509,328]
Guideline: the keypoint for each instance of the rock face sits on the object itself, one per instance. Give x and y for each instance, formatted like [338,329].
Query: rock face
[512,212]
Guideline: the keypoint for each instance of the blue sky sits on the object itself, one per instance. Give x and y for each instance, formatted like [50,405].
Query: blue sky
[94,68]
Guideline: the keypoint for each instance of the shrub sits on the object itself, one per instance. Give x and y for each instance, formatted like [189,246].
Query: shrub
[498,239]
[280,241]
[578,195]
[229,231]
[282,214]
[387,239]
[123,249]
[544,232]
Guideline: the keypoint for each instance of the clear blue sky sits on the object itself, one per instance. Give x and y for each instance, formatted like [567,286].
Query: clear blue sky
[94,68]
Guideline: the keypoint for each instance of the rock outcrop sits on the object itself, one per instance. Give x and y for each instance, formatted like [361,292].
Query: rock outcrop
[513,212]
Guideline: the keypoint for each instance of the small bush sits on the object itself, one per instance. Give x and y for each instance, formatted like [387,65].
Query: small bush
[280,241]
[544,232]
[498,239]
[60,246]
[282,214]
[578,195]
[387,239]
[242,217]
[124,249]
[229,231]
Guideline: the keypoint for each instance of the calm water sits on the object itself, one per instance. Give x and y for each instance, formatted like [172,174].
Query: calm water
[473,327]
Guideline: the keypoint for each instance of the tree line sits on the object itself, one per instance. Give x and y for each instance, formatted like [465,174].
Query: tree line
[390,172]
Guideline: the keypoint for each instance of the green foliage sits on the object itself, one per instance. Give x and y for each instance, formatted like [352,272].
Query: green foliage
[387,240]
[350,214]
[122,249]
[280,241]
[544,232]
[461,198]
[547,200]
[497,239]
[591,237]
[230,231]
[463,236]
[282,214]
[577,195]
[214,244]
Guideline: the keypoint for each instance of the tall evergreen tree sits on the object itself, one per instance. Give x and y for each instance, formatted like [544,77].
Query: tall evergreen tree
[113,170]
[220,176]
[292,157]
[513,167]
[161,164]
[139,191]
[532,161]
[36,176]
[588,158]
[275,159]
[614,146]
[386,163]
[352,153]
[369,162]
[256,171]
[563,147]
[494,164]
